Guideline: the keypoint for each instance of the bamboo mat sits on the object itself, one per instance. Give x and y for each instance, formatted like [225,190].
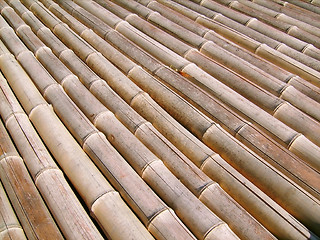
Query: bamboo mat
[145,119]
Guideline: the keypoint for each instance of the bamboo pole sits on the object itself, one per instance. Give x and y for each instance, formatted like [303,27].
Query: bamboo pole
[235,103]
[150,211]
[294,12]
[148,135]
[55,190]
[265,20]
[36,222]
[100,196]
[277,72]
[10,227]
[283,17]
[153,48]
[235,63]
[200,225]
[235,32]
[141,95]
[259,26]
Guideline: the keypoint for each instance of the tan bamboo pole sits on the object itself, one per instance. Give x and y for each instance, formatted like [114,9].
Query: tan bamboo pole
[101,198]
[291,10]
[261,27]
[176,162]
[157,217]
[304,5]
[266,21]
[163,7]
[283,17]
[235,63]
[10,227]
[36,222]
[210,165]
[293,47]
[200,225]
[65,207]
[261,45]
[216,88]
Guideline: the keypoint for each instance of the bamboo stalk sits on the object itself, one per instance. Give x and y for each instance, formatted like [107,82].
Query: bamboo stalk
[36,222]
[66,83]
[191,74]
[282,17]
[226,28]
[258,26]
[266,21]
[201,225]
[295,12]
[10,227]
[144,42]
[99,187]
[258,62]
[55,190]
[180,229]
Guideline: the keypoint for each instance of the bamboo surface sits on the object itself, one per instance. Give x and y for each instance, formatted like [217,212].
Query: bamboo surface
[37,223]
[168,122]
[55,96]
[10,227]
[101,191]
[192,73]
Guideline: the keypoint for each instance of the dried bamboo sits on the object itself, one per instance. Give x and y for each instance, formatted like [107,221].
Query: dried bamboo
[83,133]
[36,222]
[149,136]
[99,188]
[140,95]
[10,227]
[201,225]
[235,63]
[229,32]
[288,9]
[266,21]
[277,72]
[253,23]
[230,97]
[55,190]
[66,83]
[282,17]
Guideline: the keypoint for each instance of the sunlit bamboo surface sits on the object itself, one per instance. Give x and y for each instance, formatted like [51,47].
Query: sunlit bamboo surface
[158,119]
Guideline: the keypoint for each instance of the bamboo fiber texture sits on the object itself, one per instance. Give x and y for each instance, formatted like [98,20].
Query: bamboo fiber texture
[147,134]
[10,227]
[162,170]
[37,223]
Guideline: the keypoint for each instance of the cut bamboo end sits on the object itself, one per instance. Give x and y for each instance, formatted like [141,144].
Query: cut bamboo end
[13,233]
[299,121]
[166,225]
[70,156]
[303,148]
[117,219]
[302,102]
